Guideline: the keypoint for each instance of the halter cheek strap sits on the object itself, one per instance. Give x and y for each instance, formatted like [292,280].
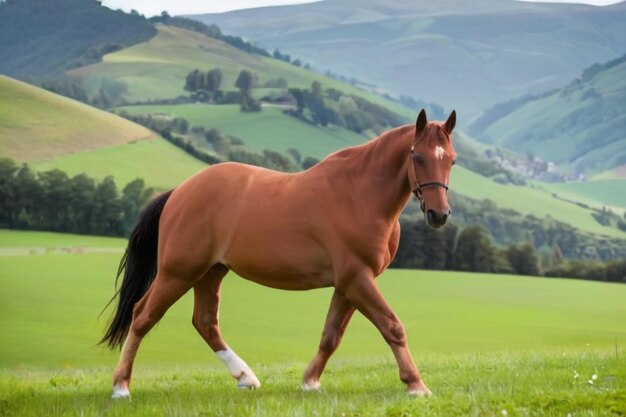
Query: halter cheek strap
[416,187]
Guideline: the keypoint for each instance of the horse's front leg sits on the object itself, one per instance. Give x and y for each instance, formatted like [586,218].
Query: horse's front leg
[339,314]
[361,291]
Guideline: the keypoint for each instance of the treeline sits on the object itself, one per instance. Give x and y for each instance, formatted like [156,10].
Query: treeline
[53,201]
[331,106]
[471,249]
[205,88]
[507,226]
[212,31]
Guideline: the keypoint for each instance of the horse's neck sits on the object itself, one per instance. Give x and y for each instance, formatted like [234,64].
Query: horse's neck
[377,172]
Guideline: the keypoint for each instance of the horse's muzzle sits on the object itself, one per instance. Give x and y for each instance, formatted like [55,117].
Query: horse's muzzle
[437,218]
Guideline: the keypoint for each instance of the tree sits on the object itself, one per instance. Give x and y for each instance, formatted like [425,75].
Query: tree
[8,191]
[213,80]
[134,198]
[316,89]
[523,259]
[309,162]
[81,204]
[245,81]
[55,186]
[108,213]
[28,198]
[474,251]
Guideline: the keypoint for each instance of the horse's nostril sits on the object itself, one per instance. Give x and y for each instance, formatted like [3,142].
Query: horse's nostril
[437,218]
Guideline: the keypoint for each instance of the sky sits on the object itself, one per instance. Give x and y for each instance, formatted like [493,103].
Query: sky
[178,7]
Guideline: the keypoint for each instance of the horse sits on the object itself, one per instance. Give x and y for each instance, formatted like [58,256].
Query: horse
[333,225]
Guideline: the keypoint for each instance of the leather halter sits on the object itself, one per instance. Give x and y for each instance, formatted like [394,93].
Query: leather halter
[417,190]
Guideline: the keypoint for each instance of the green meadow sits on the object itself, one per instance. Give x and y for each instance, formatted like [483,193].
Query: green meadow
[269,129]
[161,164]
[55,125]
[611,192]
[484,343]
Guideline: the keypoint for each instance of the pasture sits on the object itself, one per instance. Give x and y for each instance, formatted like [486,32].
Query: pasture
[36,124]
[269,129]
[484,343]
[161,164]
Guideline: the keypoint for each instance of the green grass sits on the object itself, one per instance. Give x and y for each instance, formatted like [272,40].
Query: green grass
[159,163]
[609,192]
[470,385]
[36,125]
[527,200]
[483,342]
[23,239]
[268,129]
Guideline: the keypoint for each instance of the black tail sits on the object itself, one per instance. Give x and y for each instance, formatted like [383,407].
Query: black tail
[139,265]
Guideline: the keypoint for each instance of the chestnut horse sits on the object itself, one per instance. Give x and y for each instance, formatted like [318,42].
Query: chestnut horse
[333,225]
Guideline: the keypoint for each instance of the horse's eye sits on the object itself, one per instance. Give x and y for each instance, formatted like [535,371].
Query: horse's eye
[454,162]
[418,159]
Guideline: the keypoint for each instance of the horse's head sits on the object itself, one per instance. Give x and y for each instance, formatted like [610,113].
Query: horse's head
[431,159]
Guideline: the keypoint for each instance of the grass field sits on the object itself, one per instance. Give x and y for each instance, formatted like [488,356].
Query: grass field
[610,192]
[159,163]
[485,343]
[269,129]
[36,124]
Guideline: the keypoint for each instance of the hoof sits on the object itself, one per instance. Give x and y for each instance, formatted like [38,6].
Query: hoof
[120,391]
[248,381]
[421,392]
[311,386]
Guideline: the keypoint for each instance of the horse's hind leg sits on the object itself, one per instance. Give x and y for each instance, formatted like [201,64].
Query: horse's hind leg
[164,291]
[206,321]
[339,314]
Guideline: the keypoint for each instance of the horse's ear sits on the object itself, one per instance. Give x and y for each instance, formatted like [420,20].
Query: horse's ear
[451,122]
[420,124]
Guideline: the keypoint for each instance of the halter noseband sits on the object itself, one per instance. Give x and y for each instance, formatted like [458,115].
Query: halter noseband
[417,190]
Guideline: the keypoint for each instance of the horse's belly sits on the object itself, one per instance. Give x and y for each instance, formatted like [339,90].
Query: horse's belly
[296,266]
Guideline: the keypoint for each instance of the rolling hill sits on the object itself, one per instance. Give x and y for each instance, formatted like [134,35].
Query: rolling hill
[463,55]
[40,38]
[51,131]
[156,69]
[36,124]
[581,126]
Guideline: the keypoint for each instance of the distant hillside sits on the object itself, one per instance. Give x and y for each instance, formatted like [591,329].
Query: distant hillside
[39,38]
[157,69]
[50,131]
[36,124]
[581,126]
[460,54]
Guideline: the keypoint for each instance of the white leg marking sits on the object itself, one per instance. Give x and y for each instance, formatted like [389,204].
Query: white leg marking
[311,386]
[421,392]
[238,369]
[120,391]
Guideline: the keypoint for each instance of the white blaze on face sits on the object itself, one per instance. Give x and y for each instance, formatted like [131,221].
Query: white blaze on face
[439,152]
